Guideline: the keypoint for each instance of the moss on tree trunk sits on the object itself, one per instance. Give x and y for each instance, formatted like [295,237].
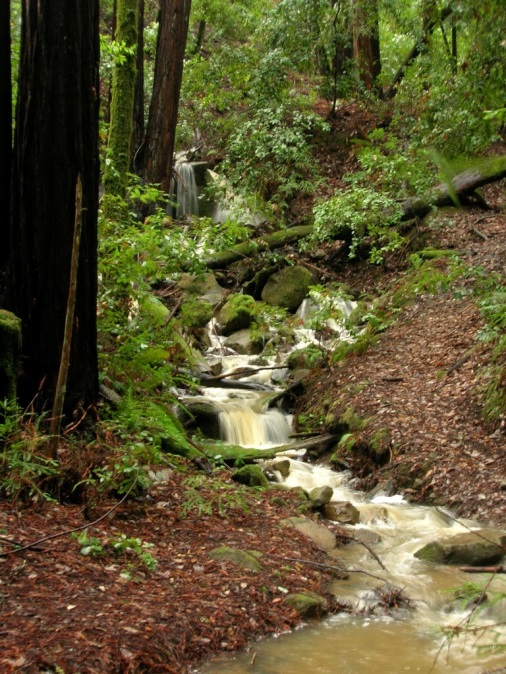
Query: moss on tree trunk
[123,96]
[10,347]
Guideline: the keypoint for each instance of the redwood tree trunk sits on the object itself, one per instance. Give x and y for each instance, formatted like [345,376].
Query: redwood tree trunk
[161,133]
[5,130]
[56,139]
[366,46]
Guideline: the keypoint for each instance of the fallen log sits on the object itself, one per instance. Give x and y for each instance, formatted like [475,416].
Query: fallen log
[249,248]
[448,193]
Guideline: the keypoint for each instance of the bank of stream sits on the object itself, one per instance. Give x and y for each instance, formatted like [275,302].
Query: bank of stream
[406,614]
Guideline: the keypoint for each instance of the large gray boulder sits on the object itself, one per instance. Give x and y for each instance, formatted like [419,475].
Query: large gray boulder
[487,546]
[288,287]
[322,537]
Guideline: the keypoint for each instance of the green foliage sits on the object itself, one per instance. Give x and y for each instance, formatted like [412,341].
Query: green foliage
[24,470]
[480,601]
[269,154]
[491,292]
[392,165]
[121,546]
[207,496]
[441,101]
[359,213]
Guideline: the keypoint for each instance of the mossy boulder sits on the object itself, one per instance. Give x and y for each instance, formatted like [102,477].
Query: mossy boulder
[237,313]
[246,559]
[307,604]
[251,476]
[202,416]
[10,349]
[202,286]
[195,313]
[288,287]
[308,358]
[482,548]
[319,496]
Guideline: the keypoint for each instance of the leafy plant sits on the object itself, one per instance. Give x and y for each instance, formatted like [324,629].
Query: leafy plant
[24,470]
[356,214]
[205,496]
[269,154]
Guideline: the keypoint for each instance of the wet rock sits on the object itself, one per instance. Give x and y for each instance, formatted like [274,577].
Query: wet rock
[373,514]
[236,314]
[364,536]
[246,559]
[288,287]
[307,604]
[282,466]
[320,535]
[251,476]
[245,342]
[320,496]
[202,416]
[341,511]
[485,547]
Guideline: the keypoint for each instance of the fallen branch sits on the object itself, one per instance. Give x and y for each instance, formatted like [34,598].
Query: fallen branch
[483,569]
[371,552]
[68,531]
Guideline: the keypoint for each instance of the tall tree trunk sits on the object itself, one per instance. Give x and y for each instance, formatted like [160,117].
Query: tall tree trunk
[366,46]
[5,131]
[122,102]
[161,133]
[138,115]
[56,139]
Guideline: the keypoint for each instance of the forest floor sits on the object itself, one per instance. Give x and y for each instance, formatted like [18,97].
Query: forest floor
[62,612]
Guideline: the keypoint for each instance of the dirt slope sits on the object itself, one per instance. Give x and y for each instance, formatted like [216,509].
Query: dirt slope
[418,387]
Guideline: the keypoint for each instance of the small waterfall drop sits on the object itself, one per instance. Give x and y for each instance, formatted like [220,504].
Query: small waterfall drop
[242,425]
[186,189]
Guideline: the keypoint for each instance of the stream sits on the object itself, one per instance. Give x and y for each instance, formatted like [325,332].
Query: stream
[370,640]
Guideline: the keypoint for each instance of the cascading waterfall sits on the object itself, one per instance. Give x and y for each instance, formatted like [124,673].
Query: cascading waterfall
[186,189]
[243,426]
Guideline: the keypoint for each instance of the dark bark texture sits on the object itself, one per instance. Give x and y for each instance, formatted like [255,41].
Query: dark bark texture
[172,34]
[55,140]
[5,130]
[366,45]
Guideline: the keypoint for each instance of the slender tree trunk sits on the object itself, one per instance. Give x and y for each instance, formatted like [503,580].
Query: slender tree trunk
[417,48]
[138,115]
[122,102]
[366,46]
[56,139]
[5,131]
[161,133]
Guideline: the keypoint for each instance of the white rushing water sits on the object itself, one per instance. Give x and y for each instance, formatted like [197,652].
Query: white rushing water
[370,640]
